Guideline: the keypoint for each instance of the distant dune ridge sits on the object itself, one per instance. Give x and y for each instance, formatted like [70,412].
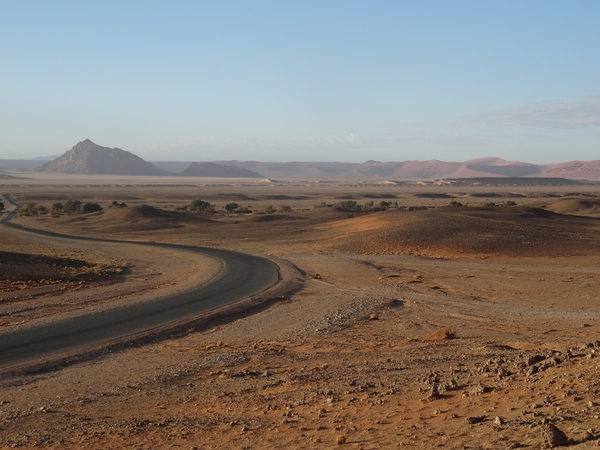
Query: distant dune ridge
[88,158]
[420,170]
[208,169]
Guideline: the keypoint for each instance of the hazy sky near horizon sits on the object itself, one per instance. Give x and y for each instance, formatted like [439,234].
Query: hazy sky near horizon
[302,80]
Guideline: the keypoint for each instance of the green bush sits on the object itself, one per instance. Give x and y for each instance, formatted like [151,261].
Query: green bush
[347,205]
[72,206]
[90,207]
[31,208]
[200,205]
[231,207]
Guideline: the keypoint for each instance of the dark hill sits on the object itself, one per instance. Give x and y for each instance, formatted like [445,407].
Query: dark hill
[474,232]
[89,158]
[207,169]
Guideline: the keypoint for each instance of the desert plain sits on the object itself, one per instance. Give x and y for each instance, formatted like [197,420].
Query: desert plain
[450,316]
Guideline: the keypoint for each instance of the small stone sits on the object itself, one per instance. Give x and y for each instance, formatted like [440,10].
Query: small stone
[479,389]
[531,371]
[475,419]
[499,421]
[373,317]
[434,394]
[340,440]
[553,436]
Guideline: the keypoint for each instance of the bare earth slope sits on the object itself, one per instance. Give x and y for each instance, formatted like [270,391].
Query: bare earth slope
[510,231]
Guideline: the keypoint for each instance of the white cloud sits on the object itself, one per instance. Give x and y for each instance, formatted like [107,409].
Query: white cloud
[583,112]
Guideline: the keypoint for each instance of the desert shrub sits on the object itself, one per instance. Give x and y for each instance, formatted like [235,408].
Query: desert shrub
[490,204]
[285,208]
[455,203]
[40,209]
[320,205]
[200,205]
[347,205]
[98,268]
[57,207]
[31,208]
[385,205]
[450,333]
[230,207]
[90,207]
[509,203]
[269,209]
[1,206]
[116,204]
[72,206]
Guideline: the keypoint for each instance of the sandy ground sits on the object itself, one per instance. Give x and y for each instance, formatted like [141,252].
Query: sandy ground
[397,337]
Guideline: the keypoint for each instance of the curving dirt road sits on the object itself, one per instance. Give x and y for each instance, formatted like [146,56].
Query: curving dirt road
[242,276]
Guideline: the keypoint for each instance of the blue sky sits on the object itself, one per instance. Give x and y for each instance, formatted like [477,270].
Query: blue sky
[302,80]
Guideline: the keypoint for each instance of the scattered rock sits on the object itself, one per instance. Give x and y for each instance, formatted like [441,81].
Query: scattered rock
[434,394]
[475,419]
[479,389]
[553,436]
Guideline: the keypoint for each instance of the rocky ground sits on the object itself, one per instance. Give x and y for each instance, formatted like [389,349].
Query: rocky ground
[386,347]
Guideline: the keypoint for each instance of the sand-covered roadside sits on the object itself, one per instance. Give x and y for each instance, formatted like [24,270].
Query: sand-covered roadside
[77,277]
[353,356]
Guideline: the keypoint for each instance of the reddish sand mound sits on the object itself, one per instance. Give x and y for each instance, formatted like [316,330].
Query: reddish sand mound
[274,218]
[466,231]
[440,336]
[129,219]
[575,206]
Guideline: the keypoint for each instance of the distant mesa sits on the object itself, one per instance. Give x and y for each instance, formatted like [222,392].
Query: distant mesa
[89,158]
[208,169]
